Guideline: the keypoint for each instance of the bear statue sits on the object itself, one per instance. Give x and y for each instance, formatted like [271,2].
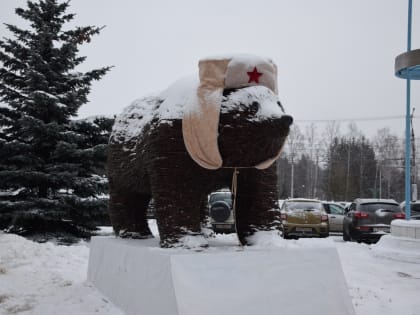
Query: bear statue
[191,139]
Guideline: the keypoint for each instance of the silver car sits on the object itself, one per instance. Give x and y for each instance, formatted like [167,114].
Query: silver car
[415,209]
[335,216]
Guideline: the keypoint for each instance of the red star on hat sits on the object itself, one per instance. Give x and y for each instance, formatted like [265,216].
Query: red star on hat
[254,75]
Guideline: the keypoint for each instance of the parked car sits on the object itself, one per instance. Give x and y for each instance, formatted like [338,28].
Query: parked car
[304,218]
[335,215]
[369,219]
[414,209]
[280,202]
[344,204]
[222,216]
[151,210]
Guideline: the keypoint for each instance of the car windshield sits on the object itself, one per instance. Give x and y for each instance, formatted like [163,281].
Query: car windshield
[304,205]
[226,197]
[336,208]
[372,207]
[415,207]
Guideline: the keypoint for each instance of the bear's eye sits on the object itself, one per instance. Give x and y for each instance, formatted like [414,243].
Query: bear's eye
[281,106]
[254,107]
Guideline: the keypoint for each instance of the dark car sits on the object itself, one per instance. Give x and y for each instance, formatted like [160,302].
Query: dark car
[222,217]
[414,209]
[369,219]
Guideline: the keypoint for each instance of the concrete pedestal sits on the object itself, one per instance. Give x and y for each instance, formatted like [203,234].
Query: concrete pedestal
[403,244]
[404,228]
[140,278]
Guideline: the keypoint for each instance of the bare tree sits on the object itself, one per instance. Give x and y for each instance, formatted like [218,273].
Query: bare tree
[331,132]
[310,133]
[388,151]
[294,148]
[353,131]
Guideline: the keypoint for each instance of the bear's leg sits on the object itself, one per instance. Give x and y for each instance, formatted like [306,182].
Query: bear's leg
[128,214]
[178,217]
[256,203]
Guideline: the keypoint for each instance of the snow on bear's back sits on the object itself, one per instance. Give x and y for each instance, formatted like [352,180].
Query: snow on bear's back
[181,97]
[168,105]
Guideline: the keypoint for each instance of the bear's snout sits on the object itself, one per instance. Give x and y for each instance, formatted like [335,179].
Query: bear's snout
[286,120]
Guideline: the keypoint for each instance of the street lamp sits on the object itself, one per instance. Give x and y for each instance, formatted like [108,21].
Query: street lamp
[407,66]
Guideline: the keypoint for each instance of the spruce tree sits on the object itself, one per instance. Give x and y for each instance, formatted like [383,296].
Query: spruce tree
[48,163]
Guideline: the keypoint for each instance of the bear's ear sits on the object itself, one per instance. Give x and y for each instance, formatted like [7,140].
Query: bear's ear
[201,117]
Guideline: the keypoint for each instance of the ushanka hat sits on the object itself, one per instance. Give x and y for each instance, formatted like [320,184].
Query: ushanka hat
[201,117]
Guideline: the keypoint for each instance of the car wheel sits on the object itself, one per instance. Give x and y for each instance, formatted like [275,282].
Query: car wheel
[286,236]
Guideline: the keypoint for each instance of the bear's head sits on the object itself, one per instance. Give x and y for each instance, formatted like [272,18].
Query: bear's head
[236,118]
[252,127]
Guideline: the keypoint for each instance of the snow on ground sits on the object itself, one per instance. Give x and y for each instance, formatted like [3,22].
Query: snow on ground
[46,279]
[379,285]
[51,279]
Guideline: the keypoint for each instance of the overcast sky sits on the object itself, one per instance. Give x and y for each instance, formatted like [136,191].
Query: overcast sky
[335,57]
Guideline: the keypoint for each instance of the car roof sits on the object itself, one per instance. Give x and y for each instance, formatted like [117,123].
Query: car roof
[333,203]
[221,191]
[374,200]
[302,200]
[411,202]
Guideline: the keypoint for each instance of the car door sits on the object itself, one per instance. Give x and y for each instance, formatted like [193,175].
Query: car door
[336,217]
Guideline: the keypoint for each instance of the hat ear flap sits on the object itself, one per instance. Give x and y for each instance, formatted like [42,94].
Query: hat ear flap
[201,118]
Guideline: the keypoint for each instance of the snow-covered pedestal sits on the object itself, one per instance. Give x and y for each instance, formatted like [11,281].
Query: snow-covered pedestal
[403,243]
[141,278]
[404,228]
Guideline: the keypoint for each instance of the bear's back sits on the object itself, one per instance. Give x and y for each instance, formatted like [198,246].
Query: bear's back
[167,106]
